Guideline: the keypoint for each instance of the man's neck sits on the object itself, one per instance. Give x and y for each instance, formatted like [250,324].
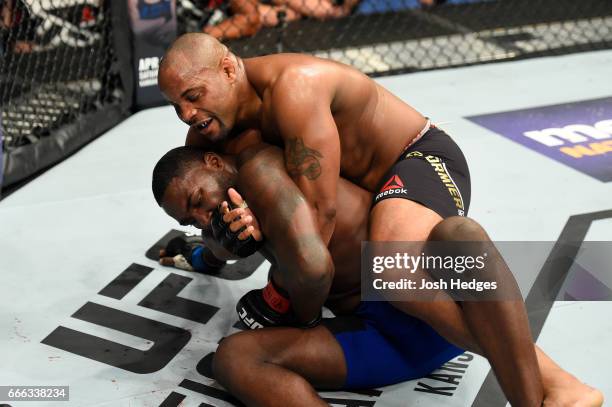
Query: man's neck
[249,102]
[230,165]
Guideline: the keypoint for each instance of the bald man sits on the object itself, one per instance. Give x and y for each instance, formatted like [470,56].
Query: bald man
[369,344]
[332,120]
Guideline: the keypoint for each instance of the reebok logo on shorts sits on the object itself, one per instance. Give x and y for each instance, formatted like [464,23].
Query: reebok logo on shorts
[395,186]
[394,183]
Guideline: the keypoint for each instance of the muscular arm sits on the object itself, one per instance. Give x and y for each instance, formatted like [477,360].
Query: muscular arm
[312,145]
[292,234]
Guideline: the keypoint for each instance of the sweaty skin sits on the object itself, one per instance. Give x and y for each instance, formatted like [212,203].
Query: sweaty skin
[277,187]
[330,118]
[284,354]
[286,231]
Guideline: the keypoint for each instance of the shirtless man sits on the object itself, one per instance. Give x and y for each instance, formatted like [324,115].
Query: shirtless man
[332,120]
[372,344]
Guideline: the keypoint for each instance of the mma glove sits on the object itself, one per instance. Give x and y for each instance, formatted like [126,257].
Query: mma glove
[269,306]
[229,240]
[193,255]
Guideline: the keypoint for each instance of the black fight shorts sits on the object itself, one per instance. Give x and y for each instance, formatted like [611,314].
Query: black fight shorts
[432,172]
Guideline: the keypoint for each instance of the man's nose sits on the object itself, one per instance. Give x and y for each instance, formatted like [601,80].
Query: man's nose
[188,114]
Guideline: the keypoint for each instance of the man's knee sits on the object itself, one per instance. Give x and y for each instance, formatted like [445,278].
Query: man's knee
[458,228]
[231,356]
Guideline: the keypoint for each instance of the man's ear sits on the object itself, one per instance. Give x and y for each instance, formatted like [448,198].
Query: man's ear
[213,160]
[229,68]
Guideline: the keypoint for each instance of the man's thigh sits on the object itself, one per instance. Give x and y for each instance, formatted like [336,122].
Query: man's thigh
[401,220]
[428,183]
[314,353]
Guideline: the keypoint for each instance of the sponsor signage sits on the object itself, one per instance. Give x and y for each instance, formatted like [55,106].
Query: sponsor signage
[577,134]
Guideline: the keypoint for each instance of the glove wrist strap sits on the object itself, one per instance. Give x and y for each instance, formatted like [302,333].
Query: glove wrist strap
[275,300]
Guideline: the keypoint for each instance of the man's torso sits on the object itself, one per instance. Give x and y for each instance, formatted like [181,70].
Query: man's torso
[374,126]
[353,206]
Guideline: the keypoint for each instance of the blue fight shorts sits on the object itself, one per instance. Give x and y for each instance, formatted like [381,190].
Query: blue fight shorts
[383,346]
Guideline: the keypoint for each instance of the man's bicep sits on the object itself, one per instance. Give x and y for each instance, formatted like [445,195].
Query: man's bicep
[309,133]
[312,156]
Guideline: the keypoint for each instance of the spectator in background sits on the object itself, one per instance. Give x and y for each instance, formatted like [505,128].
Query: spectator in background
[14,29]
[249,16]
[431,3]
[153,21]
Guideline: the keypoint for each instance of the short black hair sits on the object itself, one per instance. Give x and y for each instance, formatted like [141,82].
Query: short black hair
[172,165]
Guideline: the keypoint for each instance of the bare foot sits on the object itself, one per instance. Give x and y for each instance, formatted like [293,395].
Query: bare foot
[567,391]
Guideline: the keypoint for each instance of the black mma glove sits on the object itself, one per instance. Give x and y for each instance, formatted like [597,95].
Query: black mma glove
[229,240]
[192,255]
[269,306]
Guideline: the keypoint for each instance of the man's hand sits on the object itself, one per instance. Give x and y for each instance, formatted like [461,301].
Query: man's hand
[268,307]
[236,230]
[241,217]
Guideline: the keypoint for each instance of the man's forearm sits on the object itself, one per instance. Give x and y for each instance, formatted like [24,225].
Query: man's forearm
[307,299]
[308,272]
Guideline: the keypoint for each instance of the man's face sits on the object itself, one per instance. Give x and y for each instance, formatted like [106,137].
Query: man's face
[192,198]
[204,99]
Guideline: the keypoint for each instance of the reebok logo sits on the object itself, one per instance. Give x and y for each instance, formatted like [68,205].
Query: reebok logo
[393,183]
[394,186]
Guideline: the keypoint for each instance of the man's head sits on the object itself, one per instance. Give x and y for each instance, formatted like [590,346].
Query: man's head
[189,183]
[198,76]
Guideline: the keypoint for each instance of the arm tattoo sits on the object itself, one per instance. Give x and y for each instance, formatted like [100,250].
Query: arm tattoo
[301,160]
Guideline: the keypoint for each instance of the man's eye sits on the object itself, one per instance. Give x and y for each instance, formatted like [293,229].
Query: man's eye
[192,97]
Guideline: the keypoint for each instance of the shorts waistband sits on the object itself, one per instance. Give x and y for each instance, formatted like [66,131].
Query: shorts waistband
[425,129]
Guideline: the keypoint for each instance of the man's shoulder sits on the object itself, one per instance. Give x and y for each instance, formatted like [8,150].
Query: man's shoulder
[259,159]
[294,69]
[261,175]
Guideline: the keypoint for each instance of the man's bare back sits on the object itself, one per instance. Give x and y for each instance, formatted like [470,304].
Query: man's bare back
[373,125]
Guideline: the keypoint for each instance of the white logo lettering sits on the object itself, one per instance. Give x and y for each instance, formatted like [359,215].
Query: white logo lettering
[250,322]
[573,133]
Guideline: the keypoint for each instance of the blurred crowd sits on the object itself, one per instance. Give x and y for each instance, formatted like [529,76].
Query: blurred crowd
[14,27]
[231,19]
[224,19]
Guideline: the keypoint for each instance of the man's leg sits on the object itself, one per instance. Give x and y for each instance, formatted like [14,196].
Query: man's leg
[280,366]
[388,221]
[560,388]
[500,329]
